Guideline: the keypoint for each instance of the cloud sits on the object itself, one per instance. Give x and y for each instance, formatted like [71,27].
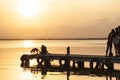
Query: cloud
[108,19]
[102,19]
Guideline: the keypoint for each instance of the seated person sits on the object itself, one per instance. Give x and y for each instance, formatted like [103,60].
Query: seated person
[44,50]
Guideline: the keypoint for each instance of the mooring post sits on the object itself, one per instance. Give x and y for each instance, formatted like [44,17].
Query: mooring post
[68,62]
[68,50]
[27,63]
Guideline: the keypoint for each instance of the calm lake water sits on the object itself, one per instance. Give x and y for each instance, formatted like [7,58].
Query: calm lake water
[11,51]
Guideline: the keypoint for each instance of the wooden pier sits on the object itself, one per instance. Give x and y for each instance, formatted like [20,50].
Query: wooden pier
[72,63]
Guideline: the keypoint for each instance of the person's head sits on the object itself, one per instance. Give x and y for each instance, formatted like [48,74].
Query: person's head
[116,30]
[42,46]
[112,30]
[119,27]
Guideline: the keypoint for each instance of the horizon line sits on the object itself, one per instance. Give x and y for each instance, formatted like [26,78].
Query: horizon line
[59,39]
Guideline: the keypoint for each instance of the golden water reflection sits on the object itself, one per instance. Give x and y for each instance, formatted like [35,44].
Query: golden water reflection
[28,43]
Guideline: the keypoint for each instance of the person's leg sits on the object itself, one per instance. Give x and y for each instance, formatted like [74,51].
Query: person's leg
[107,48]
[118,50]
[110,45]
[115,50]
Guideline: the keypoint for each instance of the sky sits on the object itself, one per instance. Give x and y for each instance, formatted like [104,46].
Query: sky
[45,19]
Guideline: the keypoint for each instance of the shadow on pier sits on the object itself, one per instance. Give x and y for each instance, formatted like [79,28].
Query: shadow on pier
[71,64]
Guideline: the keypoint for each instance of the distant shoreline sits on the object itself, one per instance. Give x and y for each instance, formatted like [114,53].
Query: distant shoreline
[61,39]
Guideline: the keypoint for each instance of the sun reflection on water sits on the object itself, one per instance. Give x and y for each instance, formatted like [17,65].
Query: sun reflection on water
[26,75]
[28,43]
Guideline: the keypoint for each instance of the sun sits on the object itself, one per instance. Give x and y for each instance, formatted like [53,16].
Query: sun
[29,8]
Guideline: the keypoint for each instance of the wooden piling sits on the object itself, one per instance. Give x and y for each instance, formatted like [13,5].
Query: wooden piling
[27,63]
[68,62]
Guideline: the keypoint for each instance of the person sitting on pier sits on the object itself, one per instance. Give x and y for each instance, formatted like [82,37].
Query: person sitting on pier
[109,42]
[46,60]
[44,49]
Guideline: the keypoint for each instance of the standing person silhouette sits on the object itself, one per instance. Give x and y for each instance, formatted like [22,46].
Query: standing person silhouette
[116,41]
[109,42]
[119,40]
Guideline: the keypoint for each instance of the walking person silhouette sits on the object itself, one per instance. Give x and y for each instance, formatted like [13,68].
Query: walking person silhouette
[109,42]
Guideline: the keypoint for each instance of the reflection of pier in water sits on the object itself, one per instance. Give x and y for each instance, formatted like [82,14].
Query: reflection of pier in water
[73,64]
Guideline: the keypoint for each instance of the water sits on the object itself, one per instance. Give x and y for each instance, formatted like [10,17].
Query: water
[11,51]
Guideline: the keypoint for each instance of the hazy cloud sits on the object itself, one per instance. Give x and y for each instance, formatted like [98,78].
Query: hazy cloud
[102,19]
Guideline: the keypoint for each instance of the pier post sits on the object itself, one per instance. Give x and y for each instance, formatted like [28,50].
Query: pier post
[27,63]
[68,51]
[68,62]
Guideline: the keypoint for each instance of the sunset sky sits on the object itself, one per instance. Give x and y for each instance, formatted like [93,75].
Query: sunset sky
[38,19]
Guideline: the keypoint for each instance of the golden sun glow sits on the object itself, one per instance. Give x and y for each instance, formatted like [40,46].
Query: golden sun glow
[29,8]
[28,44]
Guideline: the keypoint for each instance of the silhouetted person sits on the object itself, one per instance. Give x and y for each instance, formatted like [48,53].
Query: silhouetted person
[44,50]
[119,40]
[109,42]
[116,41]
[47,63]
